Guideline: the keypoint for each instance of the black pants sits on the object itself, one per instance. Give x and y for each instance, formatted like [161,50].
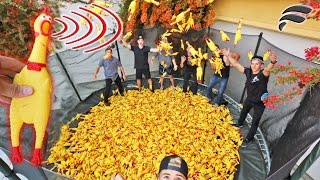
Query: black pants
[258,109]
[108,88]
[187,75]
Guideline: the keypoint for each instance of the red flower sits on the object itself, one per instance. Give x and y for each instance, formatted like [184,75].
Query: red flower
[313,53]
[301,85]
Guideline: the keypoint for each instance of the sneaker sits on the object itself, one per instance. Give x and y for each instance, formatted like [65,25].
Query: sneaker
[225,103]
[246,142]
[237,125]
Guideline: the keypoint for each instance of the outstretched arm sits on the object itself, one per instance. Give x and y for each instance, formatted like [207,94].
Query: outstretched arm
[183,59]
[154,50]
[123,73]
[235,56]
[273,59]
[175,66]
[96,72]
[153,57]
[232,60]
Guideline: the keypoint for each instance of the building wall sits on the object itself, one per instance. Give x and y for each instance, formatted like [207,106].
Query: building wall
[264,14]
[292,44]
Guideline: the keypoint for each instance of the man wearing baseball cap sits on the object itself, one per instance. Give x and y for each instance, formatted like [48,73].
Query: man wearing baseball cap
[171,167]
[257,83]
[141,60]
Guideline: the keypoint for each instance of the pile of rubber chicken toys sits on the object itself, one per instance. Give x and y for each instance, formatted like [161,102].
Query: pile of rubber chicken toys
[134,133]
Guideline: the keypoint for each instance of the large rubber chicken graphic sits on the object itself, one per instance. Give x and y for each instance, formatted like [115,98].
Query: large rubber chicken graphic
[34,109]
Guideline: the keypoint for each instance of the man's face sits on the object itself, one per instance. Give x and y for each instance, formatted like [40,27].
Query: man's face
[140,42]
[109,53]
[256,65]
[167,174]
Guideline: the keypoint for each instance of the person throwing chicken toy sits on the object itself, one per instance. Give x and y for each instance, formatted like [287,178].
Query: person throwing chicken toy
[257,83]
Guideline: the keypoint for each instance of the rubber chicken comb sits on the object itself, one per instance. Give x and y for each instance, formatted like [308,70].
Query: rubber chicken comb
[45,10]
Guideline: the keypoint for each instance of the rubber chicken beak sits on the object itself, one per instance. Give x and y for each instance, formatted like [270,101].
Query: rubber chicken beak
[45,28]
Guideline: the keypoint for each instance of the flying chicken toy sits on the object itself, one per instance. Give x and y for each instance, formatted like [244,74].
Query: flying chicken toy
[266,55]
[224,36]
[132,8]
[238,33]
[153,2]
[250,55]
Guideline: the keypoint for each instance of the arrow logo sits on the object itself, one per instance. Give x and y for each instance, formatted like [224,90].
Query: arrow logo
[296,13]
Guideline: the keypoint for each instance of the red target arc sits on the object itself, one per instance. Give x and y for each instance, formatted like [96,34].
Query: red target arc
[65,27]
[74,32]
[103,31]
[117,33]
[89,31]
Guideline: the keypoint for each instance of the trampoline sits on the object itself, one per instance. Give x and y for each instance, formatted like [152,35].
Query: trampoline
[254,159]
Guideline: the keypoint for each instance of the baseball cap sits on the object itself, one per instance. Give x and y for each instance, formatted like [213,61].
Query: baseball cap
[258,58]
[140,37]
[176,163]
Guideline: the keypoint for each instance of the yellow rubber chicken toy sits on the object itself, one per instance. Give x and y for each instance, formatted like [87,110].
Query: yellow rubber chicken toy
[179,17]
[202,56]
[238,37]
[193,52]
[100,3]
[128,34]
[182,45]
[199,72]
[132,8]
[171,54]
[166,34]
[266,55]
[224,36]
[213,48]
[34,109]
[176,31]
[96,10]
[189,23]
[163,64]
[153,2]
[102,39]
[218,65]
[250,55]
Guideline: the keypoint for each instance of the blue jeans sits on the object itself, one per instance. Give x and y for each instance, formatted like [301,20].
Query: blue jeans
[222,87]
